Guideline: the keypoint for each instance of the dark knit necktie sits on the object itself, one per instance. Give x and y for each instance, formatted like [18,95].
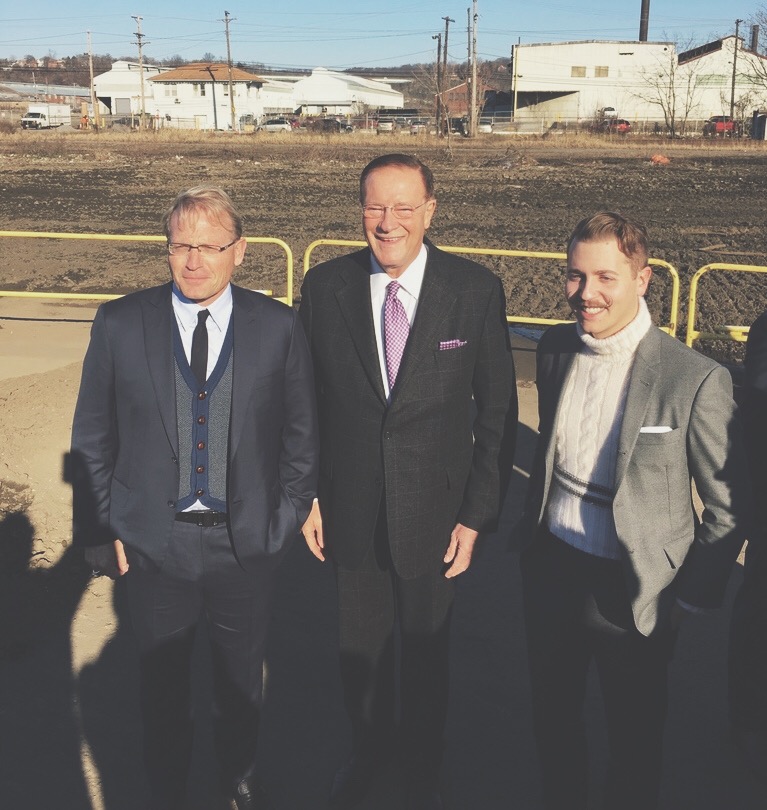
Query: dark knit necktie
[199,363]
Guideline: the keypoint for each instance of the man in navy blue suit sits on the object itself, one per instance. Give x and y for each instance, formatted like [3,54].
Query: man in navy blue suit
[195,440]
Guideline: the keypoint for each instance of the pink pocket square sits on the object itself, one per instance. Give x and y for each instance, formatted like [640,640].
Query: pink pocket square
[444,345]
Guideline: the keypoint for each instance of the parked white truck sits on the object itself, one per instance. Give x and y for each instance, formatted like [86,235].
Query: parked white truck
[45,116]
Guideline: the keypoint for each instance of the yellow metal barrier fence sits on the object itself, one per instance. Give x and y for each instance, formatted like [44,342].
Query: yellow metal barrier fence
[109,237]
[736,333]
[671,327]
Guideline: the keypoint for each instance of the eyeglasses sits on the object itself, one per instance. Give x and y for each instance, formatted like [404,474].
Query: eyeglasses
[400,212]
[182,249]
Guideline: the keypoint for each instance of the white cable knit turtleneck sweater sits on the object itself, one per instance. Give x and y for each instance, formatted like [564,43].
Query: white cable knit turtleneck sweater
[579,506]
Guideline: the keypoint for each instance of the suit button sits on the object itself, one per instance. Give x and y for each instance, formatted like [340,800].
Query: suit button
[173,460]
[200,420]
[200,445]
[200,493]
[201,395]
[200,469]
[387,435]
[171,504]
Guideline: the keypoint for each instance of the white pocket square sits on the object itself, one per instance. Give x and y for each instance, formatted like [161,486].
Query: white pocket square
[655,429]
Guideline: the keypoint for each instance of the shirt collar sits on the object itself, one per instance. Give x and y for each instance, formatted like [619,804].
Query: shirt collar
[410,280]
[186,311]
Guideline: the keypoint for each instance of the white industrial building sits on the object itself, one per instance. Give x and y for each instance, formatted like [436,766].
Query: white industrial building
[326,92]
[196,96]
[119,89]
[574,81]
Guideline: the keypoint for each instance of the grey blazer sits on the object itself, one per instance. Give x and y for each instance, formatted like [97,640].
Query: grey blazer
[667,552]
[124,436]
[437,461]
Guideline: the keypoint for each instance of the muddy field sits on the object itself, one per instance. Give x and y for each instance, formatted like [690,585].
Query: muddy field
[706,205]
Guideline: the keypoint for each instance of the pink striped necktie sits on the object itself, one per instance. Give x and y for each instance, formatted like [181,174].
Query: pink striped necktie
[396,330]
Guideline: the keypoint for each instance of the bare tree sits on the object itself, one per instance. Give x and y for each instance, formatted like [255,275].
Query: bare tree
[673,87]
[756,72]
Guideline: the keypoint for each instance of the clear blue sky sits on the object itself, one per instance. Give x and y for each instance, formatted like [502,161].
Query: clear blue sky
[343,33]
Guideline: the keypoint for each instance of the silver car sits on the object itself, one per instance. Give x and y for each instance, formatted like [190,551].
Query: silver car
[276,125]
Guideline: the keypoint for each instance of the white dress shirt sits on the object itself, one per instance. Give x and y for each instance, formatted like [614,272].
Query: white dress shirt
[410,289]
[217,323]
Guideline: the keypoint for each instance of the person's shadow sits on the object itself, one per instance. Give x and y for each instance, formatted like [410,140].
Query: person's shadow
[40,749]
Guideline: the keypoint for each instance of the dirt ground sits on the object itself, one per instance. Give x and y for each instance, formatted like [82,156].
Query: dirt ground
[64,654]
[706,205]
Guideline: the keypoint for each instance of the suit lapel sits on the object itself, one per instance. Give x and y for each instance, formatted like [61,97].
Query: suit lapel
[437,299]
[563,362]
[354,302]
[157,312]
[247,332]
[642,381]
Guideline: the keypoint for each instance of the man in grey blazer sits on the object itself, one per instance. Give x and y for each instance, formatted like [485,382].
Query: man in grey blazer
[194,457]
[418,410]
[616,554]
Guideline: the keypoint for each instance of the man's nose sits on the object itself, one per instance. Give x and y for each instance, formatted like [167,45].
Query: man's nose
[588,289]
[388,221]
[194,258]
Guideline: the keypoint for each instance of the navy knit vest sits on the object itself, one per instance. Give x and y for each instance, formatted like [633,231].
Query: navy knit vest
[202,419]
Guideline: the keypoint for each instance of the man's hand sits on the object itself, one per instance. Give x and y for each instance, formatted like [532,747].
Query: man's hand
[459,551]
[312,532]
[109,560]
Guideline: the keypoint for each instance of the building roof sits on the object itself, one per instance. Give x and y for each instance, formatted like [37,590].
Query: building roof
[593,42]
[206,71]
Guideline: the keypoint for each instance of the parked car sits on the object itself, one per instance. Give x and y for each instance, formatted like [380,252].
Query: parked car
[721,126]
[332,126]
[419,126]
[485,126]
[386,125]
[616,126]
[276,125]
[458,125]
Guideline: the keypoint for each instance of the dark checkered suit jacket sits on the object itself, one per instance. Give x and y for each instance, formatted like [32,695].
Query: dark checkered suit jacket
[434,459]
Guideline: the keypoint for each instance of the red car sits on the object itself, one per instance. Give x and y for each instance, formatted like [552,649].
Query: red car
[721,126]
[617,125]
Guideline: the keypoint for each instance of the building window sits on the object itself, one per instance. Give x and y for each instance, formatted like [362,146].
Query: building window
[171,89]
[199,89]
[578,72]
[601,72]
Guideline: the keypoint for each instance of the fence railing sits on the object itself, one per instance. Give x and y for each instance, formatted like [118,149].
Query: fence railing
[737,333]
[730,332]
[515,318]
[110,237]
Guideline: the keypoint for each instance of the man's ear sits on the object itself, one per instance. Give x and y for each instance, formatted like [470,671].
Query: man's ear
[643,279]
[239,251]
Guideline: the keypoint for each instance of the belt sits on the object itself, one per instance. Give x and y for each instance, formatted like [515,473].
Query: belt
[204,519]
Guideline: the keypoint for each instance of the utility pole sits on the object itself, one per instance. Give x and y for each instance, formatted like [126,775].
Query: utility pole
[140,43]
[514,76]
[473,112]
[226,22]
[438,37]
[447,20]
[94,100]
[734,68]
[468,60]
